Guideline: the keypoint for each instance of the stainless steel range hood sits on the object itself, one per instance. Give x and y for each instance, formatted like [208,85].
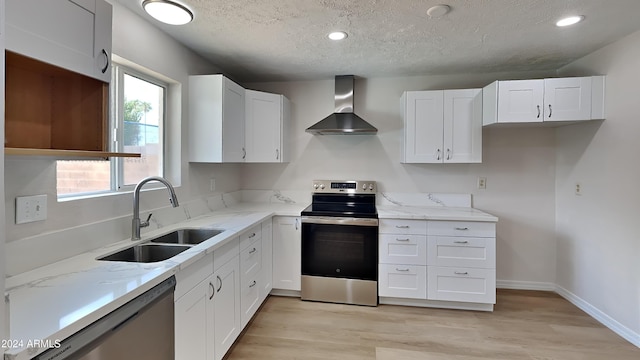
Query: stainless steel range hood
[343,121]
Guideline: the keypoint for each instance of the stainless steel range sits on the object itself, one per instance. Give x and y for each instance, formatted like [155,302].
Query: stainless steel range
[340,243]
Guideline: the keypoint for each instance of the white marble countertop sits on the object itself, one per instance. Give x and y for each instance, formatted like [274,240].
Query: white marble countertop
[433,213]
[53,302]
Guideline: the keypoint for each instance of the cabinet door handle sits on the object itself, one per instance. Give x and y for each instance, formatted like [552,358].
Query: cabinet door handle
[106,66]
[461,242]
[538,117]
[402,226]
[244,153]
[220,281]
[438,154]
[448,154]
[252,251]
[277,154]
[213,290]
[297,223]
[403,270]
[549,111]
[252,284]
[402,239]
[462,228]
[252,235]
[461,273]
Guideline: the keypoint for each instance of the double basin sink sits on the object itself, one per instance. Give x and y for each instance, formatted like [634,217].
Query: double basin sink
[163,247]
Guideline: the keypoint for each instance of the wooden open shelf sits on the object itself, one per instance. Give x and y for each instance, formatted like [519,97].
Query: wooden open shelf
[50,111]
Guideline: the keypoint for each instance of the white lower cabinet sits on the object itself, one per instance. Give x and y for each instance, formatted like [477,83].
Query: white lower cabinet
[226,308]
[287,248]
[250,280]
[432,261]
[194,323]
[267,259]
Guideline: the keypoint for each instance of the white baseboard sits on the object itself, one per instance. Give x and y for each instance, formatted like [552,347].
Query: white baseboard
[525,285]
[597,314]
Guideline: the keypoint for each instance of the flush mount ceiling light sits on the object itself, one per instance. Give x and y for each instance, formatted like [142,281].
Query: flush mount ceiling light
[438,11]
[337,35]
[168,12]
[570,20]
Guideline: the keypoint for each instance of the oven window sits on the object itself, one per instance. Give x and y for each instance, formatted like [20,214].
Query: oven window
[342,251]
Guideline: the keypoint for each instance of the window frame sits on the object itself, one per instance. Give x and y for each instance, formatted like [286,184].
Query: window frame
[116,131]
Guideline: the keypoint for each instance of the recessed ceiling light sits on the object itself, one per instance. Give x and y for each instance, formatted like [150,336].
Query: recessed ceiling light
[168,12]
[337,35]
[569,20]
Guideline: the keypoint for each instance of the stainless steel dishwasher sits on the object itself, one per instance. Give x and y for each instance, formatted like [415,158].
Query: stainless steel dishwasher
[141,329]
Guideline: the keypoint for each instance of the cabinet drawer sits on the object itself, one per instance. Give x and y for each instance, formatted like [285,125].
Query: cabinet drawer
[461,284]
[225,253]
[192,275]
[401,226]
[404,281]
[403,249]
[250,261]
[461,251]
[249,236]
[462,228]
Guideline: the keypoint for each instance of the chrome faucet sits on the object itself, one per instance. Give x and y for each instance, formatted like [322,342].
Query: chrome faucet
[136,224]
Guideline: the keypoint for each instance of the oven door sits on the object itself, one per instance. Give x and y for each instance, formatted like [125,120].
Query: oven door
[340,247]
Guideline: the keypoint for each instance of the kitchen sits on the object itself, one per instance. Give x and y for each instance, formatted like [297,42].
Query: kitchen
[546,236]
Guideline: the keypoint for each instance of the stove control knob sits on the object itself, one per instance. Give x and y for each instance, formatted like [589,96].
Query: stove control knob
[315,186]
[371,187]
[322,186]
[364,186]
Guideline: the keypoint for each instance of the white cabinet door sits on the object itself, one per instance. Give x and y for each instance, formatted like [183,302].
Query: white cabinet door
[461,284]
[74,35]
[520,101]
[567,99]
[402,281]
[423,127]
[265,123]
[226,306]
[462,126]
[287,250]
[267,259]
[402,249]
[194,323]
[216,120]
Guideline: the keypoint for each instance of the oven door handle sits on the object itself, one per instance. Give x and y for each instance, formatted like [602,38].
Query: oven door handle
[330,220]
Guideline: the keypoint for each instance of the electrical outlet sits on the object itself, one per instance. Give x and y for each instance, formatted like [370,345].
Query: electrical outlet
[482,182]
[31,208]
[212,185]
[578,189]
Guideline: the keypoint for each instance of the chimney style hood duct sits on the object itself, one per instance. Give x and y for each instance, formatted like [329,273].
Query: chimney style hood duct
[343,121]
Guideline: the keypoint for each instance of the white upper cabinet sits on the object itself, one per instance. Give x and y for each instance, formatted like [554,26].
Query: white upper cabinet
[72,34]
[442,126]
[544,100]
[216,120]
[267,127]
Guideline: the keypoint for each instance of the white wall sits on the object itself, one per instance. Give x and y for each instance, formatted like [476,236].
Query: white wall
[136,40]
[598,240]
[519,165]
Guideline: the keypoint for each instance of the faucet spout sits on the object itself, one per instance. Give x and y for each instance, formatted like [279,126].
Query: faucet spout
[136,224]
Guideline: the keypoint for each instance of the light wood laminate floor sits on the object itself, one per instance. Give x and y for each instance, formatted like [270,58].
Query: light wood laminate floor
[525,325]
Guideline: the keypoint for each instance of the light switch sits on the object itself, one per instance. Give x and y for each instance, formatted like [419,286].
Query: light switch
[31,208]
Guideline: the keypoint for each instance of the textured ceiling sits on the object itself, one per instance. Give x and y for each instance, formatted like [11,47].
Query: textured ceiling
[274,40]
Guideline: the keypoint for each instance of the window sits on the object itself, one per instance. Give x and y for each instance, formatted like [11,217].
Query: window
[137,110]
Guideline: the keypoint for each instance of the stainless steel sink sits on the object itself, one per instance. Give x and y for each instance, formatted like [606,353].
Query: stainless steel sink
[187,236]
[146,253]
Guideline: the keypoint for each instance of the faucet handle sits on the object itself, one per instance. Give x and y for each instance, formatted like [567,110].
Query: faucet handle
[146,222]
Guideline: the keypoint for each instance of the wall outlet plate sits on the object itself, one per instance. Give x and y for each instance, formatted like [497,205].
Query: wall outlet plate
[482,182]
[31,208]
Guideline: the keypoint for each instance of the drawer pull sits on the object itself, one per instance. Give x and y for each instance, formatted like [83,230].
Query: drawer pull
[253,284]
[213,290]
[402,239]
[461,273]
[462,228]
[252,251]
[461,242]
[252,235]
[402,226]
[403,270]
